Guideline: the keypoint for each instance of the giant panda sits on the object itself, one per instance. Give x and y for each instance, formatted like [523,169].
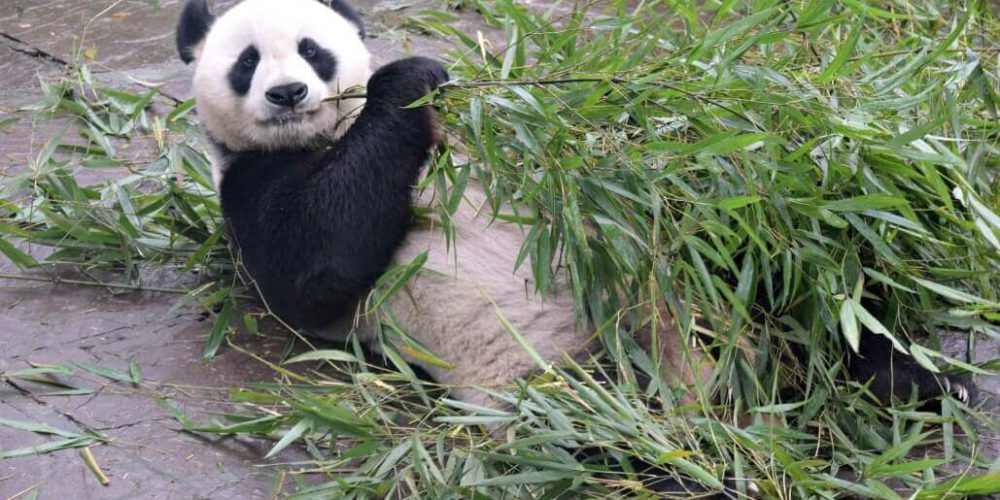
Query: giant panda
[317,198]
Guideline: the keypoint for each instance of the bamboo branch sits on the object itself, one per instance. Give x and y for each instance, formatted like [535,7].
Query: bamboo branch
[493,83]
[560,81]
[55,280]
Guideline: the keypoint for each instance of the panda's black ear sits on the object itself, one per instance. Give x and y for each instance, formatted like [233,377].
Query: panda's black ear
[192,27]
[341,7]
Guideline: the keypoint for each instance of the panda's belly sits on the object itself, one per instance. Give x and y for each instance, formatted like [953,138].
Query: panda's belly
[454,310]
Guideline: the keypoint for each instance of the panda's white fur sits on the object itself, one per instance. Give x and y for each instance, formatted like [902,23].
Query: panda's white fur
[274,27]
[458,307]
[454,309]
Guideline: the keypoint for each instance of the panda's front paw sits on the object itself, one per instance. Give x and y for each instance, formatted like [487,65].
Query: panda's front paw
[960,388]
[406,80]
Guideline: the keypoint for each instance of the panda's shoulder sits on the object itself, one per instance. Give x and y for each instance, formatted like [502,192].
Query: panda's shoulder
[249,176]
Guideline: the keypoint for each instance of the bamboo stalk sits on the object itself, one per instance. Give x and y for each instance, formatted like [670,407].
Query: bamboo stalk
[88,458]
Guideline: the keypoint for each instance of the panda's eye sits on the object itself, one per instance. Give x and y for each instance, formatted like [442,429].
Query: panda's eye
[249,58]
[307,48]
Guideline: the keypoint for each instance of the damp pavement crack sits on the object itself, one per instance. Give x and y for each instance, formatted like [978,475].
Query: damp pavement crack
[44,404]
[22,47]
[132,424]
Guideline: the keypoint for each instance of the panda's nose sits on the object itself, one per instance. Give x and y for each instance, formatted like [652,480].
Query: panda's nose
[287,95]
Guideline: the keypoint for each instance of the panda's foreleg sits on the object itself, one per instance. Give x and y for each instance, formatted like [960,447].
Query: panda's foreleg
[355,208]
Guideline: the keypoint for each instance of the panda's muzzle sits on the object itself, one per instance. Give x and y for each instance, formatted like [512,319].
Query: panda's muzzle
[288,100]
[289,117]
[287,96]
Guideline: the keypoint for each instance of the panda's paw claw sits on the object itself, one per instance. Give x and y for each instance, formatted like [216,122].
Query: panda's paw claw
[963,394]
[960,389]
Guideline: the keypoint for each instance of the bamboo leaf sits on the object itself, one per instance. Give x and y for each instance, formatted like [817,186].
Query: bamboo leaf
[324,355]
[833,70]
[849,324]
[953,294]
[293,434]
[219,330]
[108,373]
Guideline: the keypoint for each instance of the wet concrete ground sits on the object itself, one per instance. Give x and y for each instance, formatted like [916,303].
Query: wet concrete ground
[126,42]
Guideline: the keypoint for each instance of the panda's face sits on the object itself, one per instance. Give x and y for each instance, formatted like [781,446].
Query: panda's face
[265,68]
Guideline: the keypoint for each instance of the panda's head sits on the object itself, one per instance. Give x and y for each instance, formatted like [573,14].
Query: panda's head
[264,68]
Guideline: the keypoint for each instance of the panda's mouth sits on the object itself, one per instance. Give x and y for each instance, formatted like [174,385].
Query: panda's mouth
[289,118]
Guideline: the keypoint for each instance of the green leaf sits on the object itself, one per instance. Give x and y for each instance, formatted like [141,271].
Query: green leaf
[17,256]
[77,442]
[180,110]
[849,324]
[833,70]
[293,434]
[37,428]
[135,374]
[921,356]
[422,355]
[108,373]
[535,477]
[875,325]
[967,485]
[864,202]
[735,202]
[399,276]
[219,330]
[324,355]
[956,295]
[8,122]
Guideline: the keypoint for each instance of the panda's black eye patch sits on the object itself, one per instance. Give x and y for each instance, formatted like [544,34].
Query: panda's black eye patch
[307,48]
[241,74]
[251,59]
[321,60]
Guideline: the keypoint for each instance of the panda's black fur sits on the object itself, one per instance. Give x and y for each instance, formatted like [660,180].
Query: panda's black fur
[192,27]
[314,247]
[890,373]
[317,224]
